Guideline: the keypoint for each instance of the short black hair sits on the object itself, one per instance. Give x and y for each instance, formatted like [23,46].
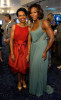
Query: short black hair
[21,9]
[8,15]
[40,11]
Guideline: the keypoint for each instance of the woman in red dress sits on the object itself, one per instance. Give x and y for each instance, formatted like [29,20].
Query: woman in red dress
[20,47]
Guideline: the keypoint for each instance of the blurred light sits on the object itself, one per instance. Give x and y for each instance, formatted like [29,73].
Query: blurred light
[51,8]
[46,6]
[8,2]
[57,18]
[2,2]
[11,11]
[17,20]
[2,10]
[5,3]
[8,11]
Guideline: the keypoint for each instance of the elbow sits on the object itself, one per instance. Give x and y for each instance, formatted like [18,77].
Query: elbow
[52,39]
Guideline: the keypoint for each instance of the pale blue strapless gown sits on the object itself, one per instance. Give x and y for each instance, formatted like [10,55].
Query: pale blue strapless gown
[38,67]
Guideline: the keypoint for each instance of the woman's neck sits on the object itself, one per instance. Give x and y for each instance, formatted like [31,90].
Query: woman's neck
[22,24]
[36,21]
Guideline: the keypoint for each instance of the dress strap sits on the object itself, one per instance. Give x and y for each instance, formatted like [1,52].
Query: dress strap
[39,24]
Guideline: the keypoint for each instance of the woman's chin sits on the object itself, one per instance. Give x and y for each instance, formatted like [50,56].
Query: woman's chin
[34,19]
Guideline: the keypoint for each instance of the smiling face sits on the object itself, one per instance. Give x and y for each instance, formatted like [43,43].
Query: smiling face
[34,13]
[21,16]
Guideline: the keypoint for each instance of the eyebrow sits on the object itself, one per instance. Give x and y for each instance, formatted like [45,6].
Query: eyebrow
[22,14]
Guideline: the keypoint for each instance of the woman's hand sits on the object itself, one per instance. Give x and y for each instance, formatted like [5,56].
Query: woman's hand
[55,32]
[27,58]
[13,57]
[7,40]
[44,56]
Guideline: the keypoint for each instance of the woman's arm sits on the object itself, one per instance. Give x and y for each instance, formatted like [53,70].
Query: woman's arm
[29,45]
[50,34]
[11,42]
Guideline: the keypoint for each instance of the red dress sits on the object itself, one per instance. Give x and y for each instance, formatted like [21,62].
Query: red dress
[20,49]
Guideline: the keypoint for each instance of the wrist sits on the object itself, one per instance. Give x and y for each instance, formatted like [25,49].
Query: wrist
[28,53]
[45,51]
[12,54]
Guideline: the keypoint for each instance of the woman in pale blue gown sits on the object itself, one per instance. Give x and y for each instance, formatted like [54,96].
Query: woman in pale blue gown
[39,51]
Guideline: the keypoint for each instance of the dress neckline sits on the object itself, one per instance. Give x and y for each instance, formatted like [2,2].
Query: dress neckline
[37,28]
[21,27]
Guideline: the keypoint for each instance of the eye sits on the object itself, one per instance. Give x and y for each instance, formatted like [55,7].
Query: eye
[19,15]
[24,15]
[35,11]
